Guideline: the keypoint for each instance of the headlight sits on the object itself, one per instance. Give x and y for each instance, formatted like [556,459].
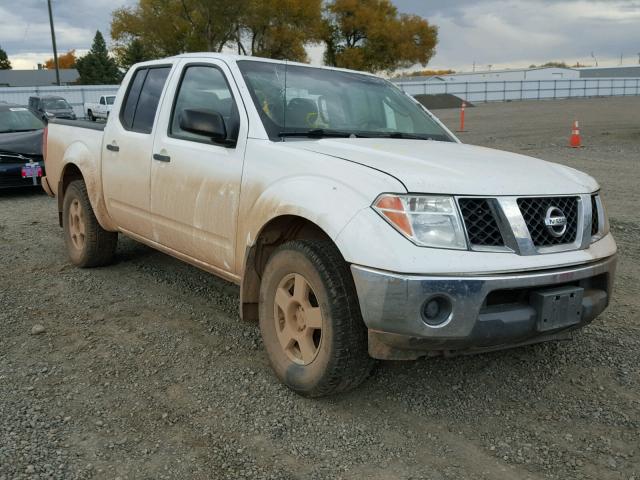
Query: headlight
[426,220]
[603,219]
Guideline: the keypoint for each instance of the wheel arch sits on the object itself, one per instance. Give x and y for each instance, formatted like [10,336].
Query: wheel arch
[275,232]
[70,172]
[80,167]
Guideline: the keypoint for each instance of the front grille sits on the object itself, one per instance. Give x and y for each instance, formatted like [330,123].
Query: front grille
[480,222]
[534,211]
[595,220]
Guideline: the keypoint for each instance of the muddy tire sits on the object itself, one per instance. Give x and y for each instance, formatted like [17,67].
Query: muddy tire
[88,244]
[310,320]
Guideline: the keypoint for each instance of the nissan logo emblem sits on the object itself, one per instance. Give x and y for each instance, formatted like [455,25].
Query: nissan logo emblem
[555,221]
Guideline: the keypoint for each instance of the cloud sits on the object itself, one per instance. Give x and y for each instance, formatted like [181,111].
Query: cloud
[25,32]
[521,32]
[497,32]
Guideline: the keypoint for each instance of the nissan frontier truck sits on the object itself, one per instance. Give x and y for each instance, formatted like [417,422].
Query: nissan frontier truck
[357,226]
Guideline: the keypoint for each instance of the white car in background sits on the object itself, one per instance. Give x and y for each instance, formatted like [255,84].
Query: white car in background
[93,111]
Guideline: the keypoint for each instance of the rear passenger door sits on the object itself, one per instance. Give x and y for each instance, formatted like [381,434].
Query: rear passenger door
[127,148]
[195,182]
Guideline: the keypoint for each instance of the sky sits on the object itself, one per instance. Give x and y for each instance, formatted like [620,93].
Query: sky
[500,33]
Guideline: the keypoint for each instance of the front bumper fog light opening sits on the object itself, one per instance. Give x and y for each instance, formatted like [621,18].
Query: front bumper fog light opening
[436,310]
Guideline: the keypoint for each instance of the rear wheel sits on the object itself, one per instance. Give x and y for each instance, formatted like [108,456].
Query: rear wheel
[310,320]
[88,244]
[90,115]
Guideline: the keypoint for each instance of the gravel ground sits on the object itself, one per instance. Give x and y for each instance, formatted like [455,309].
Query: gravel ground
[142,369]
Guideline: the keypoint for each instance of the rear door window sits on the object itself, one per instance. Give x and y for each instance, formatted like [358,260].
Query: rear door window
[143,98]
[133,94]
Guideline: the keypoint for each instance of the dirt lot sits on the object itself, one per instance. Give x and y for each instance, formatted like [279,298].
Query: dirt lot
[144,370]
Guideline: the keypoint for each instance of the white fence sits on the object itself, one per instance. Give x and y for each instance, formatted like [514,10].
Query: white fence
[501,91]
[75,95]
[491,91]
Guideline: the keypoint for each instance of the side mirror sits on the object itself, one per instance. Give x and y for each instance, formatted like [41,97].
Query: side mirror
[207,123]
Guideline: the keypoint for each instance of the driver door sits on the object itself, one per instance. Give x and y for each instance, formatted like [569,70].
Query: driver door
[195,183]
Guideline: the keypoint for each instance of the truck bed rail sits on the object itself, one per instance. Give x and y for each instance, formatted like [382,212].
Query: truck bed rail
[79,123]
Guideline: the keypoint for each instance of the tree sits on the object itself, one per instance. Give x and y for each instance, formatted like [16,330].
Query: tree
[267,28]
[371,35]
[131,53]
[5,64]
[96,67]
[280,28]
[66,60]
[425,73]
[551,64]
[171,27]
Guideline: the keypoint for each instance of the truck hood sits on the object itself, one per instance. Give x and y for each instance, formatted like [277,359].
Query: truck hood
[454,168]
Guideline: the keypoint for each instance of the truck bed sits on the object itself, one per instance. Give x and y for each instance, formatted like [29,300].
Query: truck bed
[79,123]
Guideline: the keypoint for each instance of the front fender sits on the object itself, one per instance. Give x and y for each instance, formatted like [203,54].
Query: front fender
[326,202]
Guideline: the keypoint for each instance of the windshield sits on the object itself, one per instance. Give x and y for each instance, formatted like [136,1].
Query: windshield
[55,104]
[297,100]
[18,120]
[110,100]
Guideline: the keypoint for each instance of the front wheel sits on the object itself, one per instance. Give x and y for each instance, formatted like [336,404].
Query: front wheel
[88,244]
[310,320]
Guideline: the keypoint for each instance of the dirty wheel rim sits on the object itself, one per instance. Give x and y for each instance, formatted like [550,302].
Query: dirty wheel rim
[77,229]
[298,319]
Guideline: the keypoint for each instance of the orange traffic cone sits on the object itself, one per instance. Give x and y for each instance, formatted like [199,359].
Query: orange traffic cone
[575,141]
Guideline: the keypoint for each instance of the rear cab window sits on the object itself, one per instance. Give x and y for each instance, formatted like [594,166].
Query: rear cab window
[142,98]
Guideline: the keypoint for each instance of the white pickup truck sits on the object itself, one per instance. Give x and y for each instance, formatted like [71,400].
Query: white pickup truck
[357,226]
[93,111]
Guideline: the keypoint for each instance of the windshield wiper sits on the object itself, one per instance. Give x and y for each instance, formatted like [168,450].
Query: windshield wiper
[412,136]
[320,133]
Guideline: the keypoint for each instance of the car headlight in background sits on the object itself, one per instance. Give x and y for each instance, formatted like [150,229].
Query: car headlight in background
[426,220]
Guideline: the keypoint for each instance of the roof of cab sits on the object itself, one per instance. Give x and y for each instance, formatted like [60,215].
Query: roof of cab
[230,57]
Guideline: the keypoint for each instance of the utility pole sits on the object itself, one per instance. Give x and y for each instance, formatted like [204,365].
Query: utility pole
[53,40]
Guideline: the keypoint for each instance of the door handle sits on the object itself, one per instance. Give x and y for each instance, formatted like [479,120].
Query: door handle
[161,158]
[113,148]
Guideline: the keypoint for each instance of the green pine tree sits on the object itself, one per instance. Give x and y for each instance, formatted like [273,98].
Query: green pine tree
[97,67]
[132,53]
[5,64]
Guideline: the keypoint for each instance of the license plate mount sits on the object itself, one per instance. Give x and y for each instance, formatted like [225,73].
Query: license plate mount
[557,307]
[31,170]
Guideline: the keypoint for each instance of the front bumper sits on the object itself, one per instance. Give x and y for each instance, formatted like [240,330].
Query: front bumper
[487,312]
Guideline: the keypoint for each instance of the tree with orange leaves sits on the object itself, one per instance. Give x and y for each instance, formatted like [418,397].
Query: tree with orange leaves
[66,60]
